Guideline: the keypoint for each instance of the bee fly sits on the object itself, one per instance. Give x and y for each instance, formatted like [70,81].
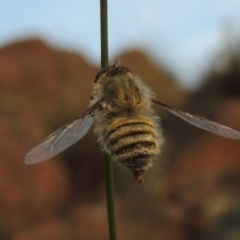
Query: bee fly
[126,125]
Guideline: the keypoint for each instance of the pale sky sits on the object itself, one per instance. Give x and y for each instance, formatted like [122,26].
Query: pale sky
[183,34]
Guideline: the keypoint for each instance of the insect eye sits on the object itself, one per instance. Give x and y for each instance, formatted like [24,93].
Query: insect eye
[100,73]
[112,71]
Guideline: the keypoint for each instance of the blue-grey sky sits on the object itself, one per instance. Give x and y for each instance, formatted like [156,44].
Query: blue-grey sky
[183,34]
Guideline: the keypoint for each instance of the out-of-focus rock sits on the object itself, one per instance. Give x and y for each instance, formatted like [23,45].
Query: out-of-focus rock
[201,170]
[41,89]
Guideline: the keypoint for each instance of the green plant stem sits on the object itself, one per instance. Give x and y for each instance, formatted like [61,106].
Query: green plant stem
[108,162]
[104,33]
[110,197]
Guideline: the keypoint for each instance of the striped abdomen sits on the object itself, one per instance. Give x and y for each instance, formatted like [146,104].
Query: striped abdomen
[133,142]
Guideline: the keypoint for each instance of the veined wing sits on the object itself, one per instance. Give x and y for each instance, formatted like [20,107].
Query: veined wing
[62,138]
[203,123]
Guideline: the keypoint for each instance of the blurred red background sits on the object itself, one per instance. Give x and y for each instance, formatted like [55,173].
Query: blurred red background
[192,191]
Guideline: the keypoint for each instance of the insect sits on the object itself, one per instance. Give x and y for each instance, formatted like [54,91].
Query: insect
[125,123]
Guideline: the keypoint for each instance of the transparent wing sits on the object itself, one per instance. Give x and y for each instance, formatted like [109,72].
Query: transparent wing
[203,123]
[61,139]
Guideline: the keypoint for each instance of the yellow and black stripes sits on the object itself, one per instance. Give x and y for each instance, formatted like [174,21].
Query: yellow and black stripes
[132,142]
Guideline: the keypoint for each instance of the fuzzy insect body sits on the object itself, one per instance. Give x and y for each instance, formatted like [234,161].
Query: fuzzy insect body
[126,125]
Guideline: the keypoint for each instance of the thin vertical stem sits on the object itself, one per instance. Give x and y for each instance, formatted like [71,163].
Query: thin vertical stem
[110,197]
[104,33]
[108,162]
